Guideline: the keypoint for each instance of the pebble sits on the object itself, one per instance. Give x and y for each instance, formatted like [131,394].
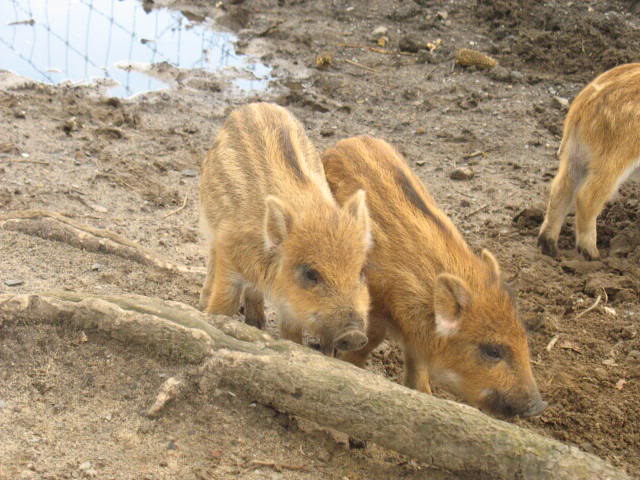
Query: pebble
[96,267]
[378,32]
[4,404]
[189,173]
[172,445]
[13,282]
[461,173]
[20,114]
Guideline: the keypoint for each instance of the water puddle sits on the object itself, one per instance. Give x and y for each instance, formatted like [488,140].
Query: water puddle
[53,41]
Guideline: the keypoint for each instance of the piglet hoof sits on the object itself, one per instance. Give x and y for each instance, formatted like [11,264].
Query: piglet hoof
[547,246]
[350,340]
[588,254]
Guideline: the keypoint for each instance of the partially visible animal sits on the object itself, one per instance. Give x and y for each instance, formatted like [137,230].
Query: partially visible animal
[448,307]
[600,149]
[275,229]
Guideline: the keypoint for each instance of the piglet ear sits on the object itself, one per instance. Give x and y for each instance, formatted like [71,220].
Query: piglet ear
[277,222]
[492,263]
[356,206]
[450,297]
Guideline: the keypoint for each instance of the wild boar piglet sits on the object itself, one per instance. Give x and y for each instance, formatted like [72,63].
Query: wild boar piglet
[448,307]
[600,149]
[274,228]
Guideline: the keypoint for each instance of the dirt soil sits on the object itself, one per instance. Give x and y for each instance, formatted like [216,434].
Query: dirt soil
[71,405]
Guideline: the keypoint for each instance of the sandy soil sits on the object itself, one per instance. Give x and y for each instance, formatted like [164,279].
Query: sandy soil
[70,407]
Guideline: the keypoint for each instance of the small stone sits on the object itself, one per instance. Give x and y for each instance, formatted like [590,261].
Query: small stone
[420,163]
[71,125]
[378,32]
[84,466]
[3,404]
[461,173]
[517,76]
[13,282]
[442,15]
[409,44]
[421,131]
[20,114]
[96,267]
[465,203]
[189,173]
[172,445]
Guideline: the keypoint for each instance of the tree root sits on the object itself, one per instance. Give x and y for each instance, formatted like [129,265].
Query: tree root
[299,381]
[55,226]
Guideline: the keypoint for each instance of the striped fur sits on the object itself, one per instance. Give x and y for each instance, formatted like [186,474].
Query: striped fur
[273,226]
[446,305]
[600,149]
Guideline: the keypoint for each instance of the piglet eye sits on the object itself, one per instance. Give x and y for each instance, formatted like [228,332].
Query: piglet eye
[491,352]
[310,276]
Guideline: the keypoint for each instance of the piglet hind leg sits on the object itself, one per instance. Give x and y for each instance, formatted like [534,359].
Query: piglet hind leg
[563,191]
[592,196]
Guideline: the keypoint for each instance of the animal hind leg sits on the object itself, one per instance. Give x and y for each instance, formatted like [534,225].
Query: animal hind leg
[592,196]
[563,190]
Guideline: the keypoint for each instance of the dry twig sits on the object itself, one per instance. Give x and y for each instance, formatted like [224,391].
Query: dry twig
[23,160]
[359,65]
[184,203]
[278,467]
[595,304]
[471,214]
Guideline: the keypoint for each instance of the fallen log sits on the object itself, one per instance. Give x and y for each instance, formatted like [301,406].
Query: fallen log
[300,381]
[55,226]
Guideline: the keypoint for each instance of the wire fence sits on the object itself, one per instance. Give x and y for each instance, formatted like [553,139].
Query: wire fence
[55,40]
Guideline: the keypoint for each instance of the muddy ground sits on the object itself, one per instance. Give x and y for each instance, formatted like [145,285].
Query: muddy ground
[70,407]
